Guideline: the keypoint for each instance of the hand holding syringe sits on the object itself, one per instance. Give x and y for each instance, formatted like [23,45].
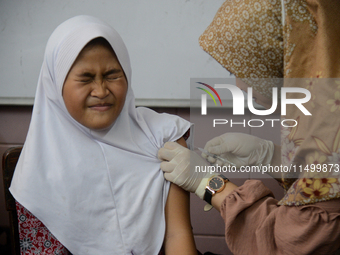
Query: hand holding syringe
[215,156]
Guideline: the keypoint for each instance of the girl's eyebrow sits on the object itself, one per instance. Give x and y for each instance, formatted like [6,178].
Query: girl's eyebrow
[112,71]
[85,74]
[88,74]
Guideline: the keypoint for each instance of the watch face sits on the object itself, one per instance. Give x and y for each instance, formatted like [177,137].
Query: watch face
[216,183]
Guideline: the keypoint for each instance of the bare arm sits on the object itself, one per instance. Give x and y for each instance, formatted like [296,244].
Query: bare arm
[178,235]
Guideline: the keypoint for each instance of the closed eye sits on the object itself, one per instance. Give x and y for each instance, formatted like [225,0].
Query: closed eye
[86,80]
[86,77]
[113,77]
[113,74]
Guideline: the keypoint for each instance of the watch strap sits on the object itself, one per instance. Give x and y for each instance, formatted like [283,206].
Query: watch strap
[208,195]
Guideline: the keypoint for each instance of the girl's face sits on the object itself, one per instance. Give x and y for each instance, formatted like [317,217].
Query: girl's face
[95,88]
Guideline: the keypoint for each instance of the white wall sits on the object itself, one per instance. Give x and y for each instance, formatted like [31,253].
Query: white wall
[161,36]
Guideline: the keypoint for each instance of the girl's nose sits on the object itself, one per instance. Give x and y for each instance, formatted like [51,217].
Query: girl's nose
[100,89]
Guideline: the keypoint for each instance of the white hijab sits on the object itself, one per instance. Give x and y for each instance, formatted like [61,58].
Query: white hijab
[98,192]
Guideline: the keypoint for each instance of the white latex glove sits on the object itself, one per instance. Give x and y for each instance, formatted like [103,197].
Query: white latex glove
[179,168]
[240,149]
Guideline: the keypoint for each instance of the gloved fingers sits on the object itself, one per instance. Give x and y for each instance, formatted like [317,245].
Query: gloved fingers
[237,143]
[170,150]
[213,142]
[208,157]
[171,145]
[166,154]
[169,177]
[219,149]
[219,145]
[220,163]
[167,167]
[203,155]
[211,160]
[184,170]
[235,160]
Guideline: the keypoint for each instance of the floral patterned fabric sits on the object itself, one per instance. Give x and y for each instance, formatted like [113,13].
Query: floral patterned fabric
[311,190]
[34,237]
[311,38]
[246,38]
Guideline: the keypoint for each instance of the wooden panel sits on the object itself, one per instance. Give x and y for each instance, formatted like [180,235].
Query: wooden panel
[14,123]
[9,161]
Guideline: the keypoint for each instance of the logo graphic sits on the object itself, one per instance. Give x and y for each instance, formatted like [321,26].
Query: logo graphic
[207,91]
[239,100]
[204,97]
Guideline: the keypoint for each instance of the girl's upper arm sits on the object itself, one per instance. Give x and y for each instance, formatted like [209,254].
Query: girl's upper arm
[178,237]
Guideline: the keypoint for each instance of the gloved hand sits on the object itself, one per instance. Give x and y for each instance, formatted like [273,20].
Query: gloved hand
[240,149]
[179,168]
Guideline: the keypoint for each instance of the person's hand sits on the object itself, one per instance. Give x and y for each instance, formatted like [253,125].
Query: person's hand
[240,149]
[180,168]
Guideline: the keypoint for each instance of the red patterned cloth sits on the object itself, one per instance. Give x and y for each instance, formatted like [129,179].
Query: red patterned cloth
[35,238]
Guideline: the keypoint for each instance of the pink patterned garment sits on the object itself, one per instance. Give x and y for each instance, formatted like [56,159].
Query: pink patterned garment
[35,238]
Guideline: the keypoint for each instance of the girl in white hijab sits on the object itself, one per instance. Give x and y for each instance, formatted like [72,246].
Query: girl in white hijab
[89,169]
